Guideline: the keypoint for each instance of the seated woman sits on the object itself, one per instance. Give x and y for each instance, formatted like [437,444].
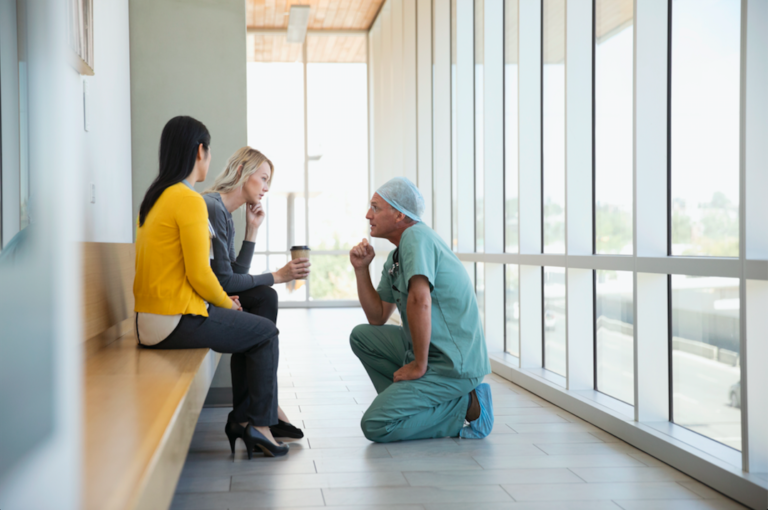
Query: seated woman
[180,303]
[245,180]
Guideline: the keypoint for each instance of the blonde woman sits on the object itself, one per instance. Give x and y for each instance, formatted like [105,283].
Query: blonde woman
[244,181]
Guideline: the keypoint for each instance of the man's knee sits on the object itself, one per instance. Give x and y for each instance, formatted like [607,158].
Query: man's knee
[358,337]
[372,427]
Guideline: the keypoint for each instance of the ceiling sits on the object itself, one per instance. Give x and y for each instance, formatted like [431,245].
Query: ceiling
[323,14]
[326,41]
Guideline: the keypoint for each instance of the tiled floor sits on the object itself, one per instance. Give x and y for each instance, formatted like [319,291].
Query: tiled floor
[538,456]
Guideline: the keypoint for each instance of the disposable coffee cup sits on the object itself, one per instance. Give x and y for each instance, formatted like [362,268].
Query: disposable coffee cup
[299,252]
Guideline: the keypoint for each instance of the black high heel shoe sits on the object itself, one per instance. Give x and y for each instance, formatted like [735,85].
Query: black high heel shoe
[233,431]
[285,429]
[253,438]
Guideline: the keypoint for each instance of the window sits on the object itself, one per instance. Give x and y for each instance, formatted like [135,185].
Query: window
[614,129]
[511,220]
[327,180]
[512,309]
[705,346]
[454,134]
[554,319]
[614,338]
[705,95]
[553,125]
[337,105]
[479,161]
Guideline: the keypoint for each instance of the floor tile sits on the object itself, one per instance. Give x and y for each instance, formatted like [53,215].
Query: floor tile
[544,438]
[372,451]
[702,490]
[491,477]
[448,448]
[530,418]
[387,495]
[401,464]
[630,474]
[556,461]
[207,484]
[702,504]
[338,442]
[248,500]
[528,505]
[562,426]
[319,481]
[597,491]
[259,465]
[585,448]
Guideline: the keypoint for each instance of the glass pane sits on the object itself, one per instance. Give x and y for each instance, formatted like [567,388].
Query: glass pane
[614,126]
[332,277]
[614,342]
[338,152]
[554,319]
[337,48]
[553,97]
[510,125]
[705,127]
[281,139]
[706,375]
[259,265]
[24,155]
[480,289]
[454,138]
[479,161]
[512,304]
[263,233]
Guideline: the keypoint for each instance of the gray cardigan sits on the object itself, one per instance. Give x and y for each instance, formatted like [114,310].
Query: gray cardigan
[231,271]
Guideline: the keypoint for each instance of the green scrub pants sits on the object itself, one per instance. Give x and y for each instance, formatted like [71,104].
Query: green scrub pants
[429,407]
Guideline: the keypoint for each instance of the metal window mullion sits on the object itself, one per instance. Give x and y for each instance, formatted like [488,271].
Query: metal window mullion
[743,345]
[306,158]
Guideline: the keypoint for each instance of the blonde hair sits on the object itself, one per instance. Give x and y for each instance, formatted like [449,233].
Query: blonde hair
[229,180]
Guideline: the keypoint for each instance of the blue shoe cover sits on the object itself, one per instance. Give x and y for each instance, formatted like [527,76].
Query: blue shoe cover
[482,426]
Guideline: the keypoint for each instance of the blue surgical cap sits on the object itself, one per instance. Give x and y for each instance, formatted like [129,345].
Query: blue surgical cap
[404,196]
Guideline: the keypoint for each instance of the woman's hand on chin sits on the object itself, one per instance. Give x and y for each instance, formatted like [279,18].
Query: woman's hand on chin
[254,215]
[293,270]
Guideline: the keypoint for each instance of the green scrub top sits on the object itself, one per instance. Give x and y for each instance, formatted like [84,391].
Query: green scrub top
[457,347]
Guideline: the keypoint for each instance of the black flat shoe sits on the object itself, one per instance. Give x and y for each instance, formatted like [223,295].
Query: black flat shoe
[285,429]
[255,439]
[233,431]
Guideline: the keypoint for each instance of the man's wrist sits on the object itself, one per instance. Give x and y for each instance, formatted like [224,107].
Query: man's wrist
[362,271]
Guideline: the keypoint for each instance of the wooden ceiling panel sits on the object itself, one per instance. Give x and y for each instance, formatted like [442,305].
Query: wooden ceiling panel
[323,14]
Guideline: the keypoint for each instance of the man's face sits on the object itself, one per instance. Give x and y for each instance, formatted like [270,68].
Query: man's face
[382,217]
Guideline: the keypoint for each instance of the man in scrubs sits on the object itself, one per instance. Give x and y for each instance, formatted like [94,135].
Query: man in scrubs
[428,372]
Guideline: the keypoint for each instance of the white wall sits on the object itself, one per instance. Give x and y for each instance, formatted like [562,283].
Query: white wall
[187,58]
[107,144]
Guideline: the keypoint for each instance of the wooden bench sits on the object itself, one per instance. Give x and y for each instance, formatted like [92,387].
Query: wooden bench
[141,405]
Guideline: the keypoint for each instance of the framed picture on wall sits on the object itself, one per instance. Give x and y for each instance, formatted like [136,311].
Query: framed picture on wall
[80,28]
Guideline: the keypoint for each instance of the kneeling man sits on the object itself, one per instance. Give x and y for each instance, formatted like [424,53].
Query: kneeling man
[428,372]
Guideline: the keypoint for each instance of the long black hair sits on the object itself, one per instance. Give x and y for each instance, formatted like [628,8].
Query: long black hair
[178,152]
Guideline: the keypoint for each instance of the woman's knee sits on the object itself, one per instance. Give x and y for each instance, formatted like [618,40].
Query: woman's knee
[267,294]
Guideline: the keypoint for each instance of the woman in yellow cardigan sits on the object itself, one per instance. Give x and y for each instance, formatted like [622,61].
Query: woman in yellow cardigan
[179,301]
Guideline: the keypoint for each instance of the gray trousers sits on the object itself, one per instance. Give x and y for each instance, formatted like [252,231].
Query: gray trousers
[255,340]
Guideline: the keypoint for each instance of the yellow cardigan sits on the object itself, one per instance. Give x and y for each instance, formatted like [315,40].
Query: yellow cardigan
[173,272]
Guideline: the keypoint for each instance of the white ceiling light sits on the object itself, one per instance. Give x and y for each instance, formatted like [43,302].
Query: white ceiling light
[297,23]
